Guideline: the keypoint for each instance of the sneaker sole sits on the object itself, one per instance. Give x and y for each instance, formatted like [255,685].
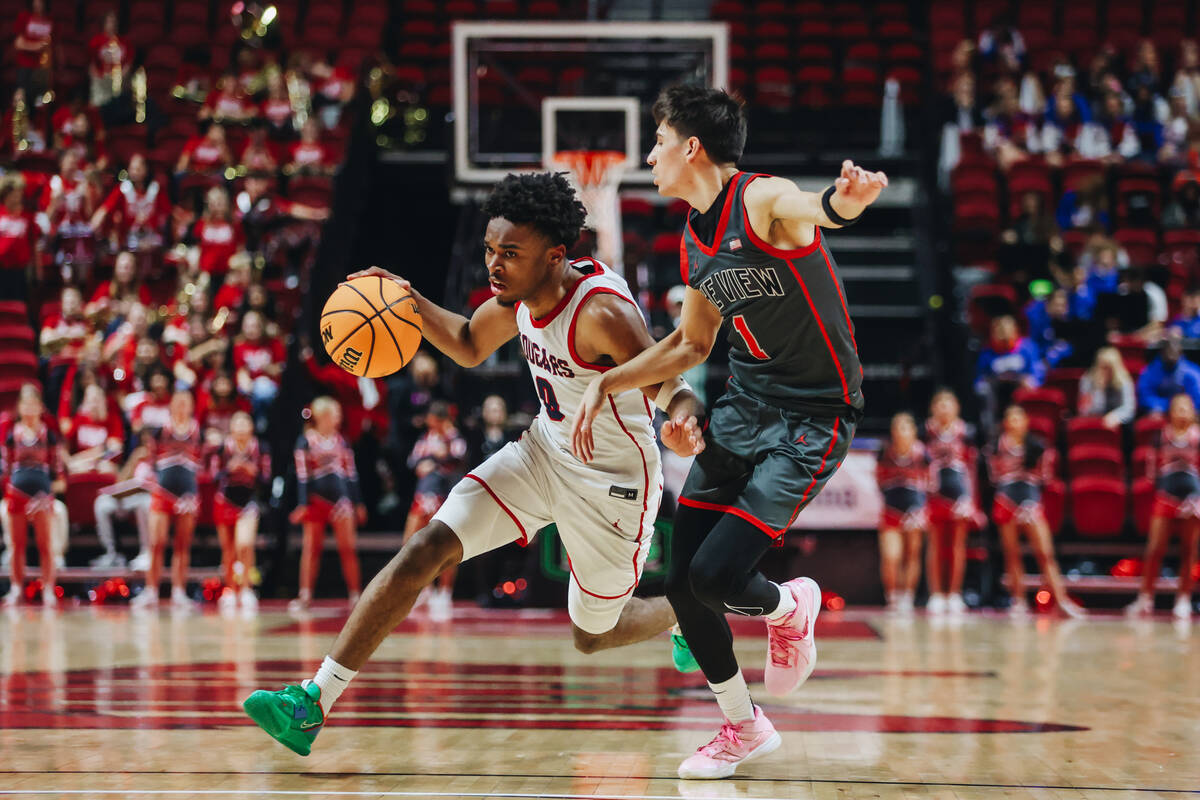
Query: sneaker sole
[263,709]
[766,748]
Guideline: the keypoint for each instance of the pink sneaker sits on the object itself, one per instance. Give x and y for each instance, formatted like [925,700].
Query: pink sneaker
[791,648]
[732,745]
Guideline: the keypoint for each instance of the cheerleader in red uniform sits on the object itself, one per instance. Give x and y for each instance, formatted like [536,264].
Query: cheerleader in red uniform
[1019,465]
[902,471]
[1174,471]
[176,457]
[33,467]
[241,468]
[951,503]
[327,494]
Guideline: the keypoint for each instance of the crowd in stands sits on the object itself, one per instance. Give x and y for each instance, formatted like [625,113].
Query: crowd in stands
[1072,163]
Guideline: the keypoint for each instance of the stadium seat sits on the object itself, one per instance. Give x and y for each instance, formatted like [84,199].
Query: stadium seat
[18,365]
[82,488]
[16,337]
[1076,173]
[9,390]
[1098,506]
[1141,245]
[1095,461]
[1146,430]
[1049,404]
[1139,202]
[1045,428]
[1092,431]
[815,53]
[1066,380]
[988,300]
[1054,502]
[1142,461]
[1142,504]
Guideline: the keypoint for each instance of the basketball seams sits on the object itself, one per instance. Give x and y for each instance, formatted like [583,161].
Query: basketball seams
[387,327]
[370,320]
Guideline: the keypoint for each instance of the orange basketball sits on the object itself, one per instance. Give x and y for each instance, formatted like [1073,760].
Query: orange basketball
[371,327]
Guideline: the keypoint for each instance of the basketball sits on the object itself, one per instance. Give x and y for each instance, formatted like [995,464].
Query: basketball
[370,327]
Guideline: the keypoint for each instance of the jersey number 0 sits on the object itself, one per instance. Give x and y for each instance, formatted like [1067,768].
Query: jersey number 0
[549,401]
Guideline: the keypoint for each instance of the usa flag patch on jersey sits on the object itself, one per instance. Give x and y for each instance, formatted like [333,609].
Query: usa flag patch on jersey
[735,244]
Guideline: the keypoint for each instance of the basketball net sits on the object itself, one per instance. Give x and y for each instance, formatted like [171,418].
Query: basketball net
[597,177]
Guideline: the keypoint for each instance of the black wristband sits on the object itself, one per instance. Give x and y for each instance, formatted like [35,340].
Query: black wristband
[833,215]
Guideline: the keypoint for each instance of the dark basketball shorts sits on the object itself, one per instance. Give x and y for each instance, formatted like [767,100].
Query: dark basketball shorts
[764,463]
[1178,496]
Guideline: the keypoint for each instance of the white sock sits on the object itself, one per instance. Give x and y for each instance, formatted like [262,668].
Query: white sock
[332,678]
[733,696]
[787,604]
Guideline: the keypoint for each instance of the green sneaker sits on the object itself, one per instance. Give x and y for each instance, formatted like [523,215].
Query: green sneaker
[293,717]
[681,654]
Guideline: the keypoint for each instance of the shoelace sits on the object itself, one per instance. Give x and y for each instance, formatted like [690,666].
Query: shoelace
[726,739]
[780,638]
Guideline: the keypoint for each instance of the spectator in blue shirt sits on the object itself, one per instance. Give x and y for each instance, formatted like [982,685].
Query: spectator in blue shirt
[1008,362]
[1166,377]
[1188,321]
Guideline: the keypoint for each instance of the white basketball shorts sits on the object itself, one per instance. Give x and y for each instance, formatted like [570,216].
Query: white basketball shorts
[605,520]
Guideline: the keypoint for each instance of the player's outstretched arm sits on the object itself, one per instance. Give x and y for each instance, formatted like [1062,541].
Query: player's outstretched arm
[647,367]
[854,190]
[467,341]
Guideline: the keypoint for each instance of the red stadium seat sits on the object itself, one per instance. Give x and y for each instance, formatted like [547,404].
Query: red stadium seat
[1098,506]
[1066,380]
[1142,461]
[1054,502]
[1077,172]
[1046,428]
[905,52]
[1145,431]
[19,365]
[1139,201]
[9,390]
[1047,404]
[864,52]
[896,29]
[16,337]
[1142,503]
[1141,245]
[851,30]
[1093,461]
[82,489]
[1092,431]
[814,52]
[814,28]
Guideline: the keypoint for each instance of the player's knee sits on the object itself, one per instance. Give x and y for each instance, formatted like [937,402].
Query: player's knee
[710,583]
[588,643]
[432,548]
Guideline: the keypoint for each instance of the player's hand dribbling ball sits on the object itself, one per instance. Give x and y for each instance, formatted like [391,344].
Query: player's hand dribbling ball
[371,325]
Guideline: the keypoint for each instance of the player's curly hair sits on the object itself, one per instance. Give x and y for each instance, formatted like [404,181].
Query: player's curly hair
[544,201]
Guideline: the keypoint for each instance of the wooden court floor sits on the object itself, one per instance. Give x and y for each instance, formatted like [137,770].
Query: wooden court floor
[102,703]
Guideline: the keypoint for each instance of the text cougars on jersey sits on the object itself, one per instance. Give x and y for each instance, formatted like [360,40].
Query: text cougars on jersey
[741,283]
[540,357]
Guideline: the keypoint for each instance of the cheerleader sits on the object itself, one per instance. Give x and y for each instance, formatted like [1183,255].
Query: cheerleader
[175,454]
[1019,466]
[240,467]
[1174,471]
[33,466]
[902,471]
[951,503]
[327,484]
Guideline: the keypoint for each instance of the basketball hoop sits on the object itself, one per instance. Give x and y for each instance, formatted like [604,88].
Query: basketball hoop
[597,177]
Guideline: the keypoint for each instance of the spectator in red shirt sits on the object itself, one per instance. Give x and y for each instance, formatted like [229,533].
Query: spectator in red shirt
[258,360]
[218,405]
[262,211]
[257,155]
[114,298]
[226,103]
[86,137]
[110,62]
[150,409]
[216,235]
[64,335]
[233,290]
[17,240]
[276,109]
[309,156]
[33,45]
[138,210]
[95,437]
[332,90]
[207,153]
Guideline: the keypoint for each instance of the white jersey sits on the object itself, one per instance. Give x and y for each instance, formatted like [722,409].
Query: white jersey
[623,432]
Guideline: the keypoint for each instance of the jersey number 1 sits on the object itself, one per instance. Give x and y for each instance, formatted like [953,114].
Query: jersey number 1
[739,322]
[549,401]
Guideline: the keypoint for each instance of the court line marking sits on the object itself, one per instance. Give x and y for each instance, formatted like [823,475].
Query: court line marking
[333,775]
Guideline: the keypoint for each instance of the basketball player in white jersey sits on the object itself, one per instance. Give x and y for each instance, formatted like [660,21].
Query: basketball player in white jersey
[575,319]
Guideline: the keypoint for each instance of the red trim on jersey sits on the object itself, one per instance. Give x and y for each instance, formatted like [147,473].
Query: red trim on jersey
[488,489]
[554,312]
[649,410]
[842,297]
[684,267]
[821,325]
[575,318]
[645,490]
[799,252]
[712,251]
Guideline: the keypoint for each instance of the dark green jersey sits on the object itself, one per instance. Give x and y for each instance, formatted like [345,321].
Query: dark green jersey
[791,339]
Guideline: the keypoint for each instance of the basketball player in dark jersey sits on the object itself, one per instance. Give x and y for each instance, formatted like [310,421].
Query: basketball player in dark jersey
[33,465]
[751,255]
[1175,470]
[176,454]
